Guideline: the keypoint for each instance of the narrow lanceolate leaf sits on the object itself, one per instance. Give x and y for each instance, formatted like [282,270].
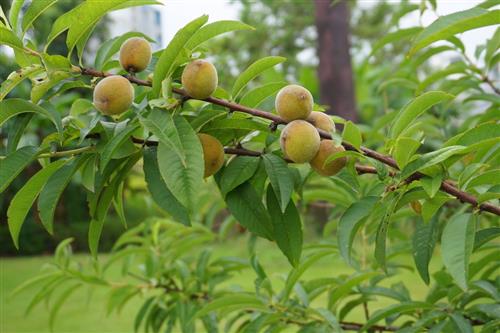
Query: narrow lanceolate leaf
[183,177]
[350,223]
[34,11]
[254,97]
[252,71]
[14,163]
[457,243]
[449,25]
[400,308]
[238,171]
[115,143]
[17,77]
[99,209]
[159,191]
[15,106]
[400,34]
[416,108]
[60,301]
[165,65]
[23,200]
[345,288]
[287,227]
[424,240]
[381,236]
[485,235]
[280,177]
[14,14]
[431,159]
[16,132]
[214,29]
[246,206]
[51,192]
[233,302]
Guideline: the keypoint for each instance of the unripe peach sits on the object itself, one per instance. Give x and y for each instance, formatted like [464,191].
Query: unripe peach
[299,141]
[294,102]
[113,95]
[135,54]
[199,79]
[326,149]
[213,153]
[322,121]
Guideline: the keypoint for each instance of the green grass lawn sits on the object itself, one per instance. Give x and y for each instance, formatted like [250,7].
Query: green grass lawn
[83,314]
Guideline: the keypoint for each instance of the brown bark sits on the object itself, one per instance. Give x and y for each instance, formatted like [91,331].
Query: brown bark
[335,69]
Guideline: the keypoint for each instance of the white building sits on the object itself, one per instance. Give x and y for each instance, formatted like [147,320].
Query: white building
[145,19]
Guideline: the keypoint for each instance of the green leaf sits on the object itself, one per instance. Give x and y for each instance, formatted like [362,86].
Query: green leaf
[16,132]
[280,177]
[41,88]
[17,77]
[233,302]
[59,303]
[247,208]
[424,240]
[35,281]
[287,227]
[14,106]
[345,288]
[7,37]
[381,236]
[431,159]
[398,35]
[14,14]
[462,324]
[352,134]
[253,71]
[240,124]
[51,192]
[431,184]
[36,9]
[416,108]
[394,309]
[87,15]
[238,171]
[183,177]
[214,29]
[116,142]
[256,96]
[485,235]
[330,319]
[452,24]
[457,242]
[112,46]
[297,272]
[161,127]
[14,163]
[100,203]
[404,150]
[455,68]
[165,65]
[351,221]
[23,200]
[159,191]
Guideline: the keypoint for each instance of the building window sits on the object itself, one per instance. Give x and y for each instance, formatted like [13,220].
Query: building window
[157,18]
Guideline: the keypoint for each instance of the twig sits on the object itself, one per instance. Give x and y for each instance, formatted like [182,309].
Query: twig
[445,186]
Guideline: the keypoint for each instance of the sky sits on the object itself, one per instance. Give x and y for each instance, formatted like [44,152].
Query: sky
[177,13]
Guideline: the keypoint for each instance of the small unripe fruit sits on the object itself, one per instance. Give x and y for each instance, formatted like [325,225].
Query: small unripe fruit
[299,141]
[135,54]
[113,95]
[326,149]
[322,121]
[294,102]
[213,153]
[199,79]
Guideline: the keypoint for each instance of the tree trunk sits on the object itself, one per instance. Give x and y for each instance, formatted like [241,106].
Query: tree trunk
[335,69]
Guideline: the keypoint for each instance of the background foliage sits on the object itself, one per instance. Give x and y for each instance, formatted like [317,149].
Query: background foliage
[440,125]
